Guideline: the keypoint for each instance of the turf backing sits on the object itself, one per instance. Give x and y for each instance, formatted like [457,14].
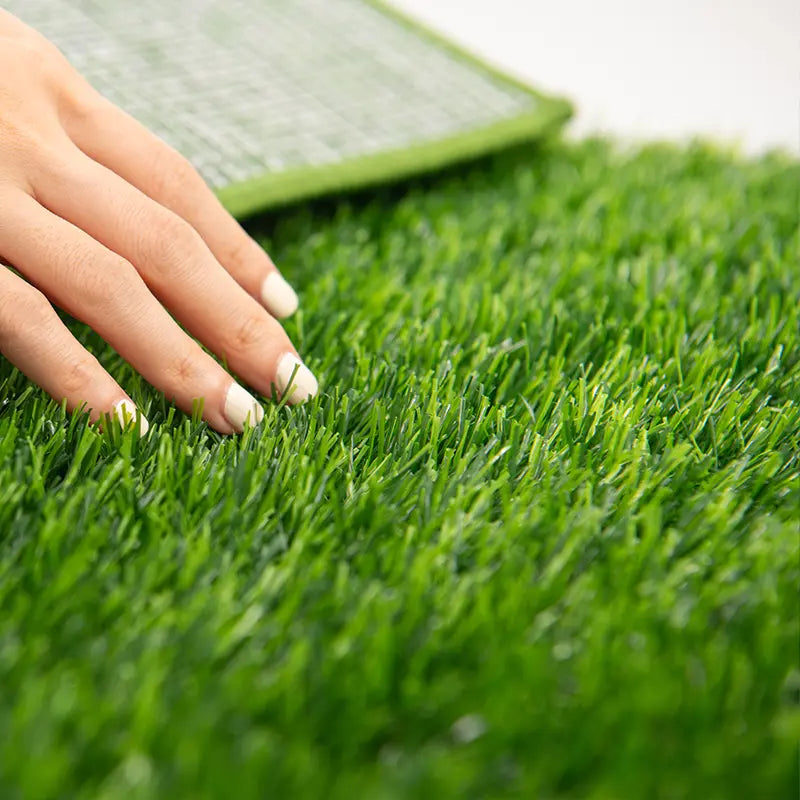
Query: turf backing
[281,100]
[537,537]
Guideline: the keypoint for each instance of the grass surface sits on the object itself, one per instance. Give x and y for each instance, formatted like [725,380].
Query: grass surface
[538,537]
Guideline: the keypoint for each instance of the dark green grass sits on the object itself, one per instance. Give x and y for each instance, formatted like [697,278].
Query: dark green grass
[538,536]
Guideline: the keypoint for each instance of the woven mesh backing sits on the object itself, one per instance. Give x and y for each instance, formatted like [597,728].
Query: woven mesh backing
[247,87]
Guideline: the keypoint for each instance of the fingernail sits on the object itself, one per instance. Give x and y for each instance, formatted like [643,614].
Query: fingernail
[278,297]
[303,385]
[241,407]
[127,413]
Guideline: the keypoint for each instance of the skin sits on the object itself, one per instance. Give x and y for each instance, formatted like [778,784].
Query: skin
[101,218]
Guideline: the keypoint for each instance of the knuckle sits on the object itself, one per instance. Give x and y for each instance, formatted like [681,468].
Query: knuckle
[184,368]
[247,331]
[184,176]
[84,109]
[240,252]
[173,178]
[171,241]
[35,50]
[31,62]
[43,59]
[79,374]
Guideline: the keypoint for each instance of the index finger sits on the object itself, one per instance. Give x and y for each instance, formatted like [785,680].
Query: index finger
[116,140]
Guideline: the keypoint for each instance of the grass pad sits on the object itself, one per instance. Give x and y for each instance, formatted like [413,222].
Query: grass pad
[537,537]
[276,100]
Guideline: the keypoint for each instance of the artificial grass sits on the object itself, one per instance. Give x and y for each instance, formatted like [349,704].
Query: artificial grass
[538,536]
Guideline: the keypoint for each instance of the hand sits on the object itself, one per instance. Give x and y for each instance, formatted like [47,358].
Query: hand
[101,218]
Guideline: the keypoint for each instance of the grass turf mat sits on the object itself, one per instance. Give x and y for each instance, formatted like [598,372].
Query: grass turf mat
[278,100]
[537,537]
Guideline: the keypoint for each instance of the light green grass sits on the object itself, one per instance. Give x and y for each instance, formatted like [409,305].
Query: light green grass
[538,537]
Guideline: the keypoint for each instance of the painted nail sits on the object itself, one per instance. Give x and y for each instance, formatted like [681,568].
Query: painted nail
[127,413]
[278,297]
[241,407]
[303,385]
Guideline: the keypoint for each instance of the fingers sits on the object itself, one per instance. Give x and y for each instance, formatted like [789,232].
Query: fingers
[113,138]
[99,287]
[33,338]
[179,269]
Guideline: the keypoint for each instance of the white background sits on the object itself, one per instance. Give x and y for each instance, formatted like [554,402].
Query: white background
[722,69]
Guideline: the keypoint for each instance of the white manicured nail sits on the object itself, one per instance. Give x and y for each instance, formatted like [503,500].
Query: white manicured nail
[303,385]
[127,414]
[241,407]
[278,297]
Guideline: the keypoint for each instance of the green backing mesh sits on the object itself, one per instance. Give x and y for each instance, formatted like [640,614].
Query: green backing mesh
[248,87]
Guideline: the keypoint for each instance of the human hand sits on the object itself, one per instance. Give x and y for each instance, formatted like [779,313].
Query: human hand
[103,219]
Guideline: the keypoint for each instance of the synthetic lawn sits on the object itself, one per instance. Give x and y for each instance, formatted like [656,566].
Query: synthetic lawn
[538,536]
